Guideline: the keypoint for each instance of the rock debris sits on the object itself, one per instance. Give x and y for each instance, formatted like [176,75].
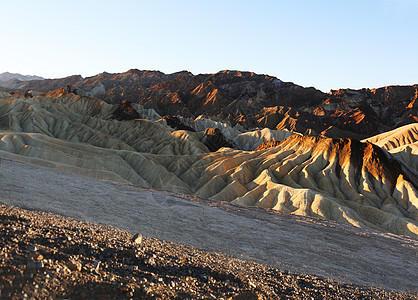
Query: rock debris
[48,256]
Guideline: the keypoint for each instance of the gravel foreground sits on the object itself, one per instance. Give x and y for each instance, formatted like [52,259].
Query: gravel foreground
[46,256]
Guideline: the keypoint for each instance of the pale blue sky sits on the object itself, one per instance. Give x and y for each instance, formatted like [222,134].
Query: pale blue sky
[325,44]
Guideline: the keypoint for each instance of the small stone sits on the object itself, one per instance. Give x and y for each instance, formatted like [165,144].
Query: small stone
[137,239]
[33,248]
[252,284]
[96,265]
[133,268]
[150,261]
[37,256]
[124,289]
[34,265]
[245,296]
[74,265]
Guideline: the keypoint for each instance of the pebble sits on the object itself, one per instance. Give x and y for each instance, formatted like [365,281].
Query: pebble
[150,261]
[34,265]
[74,265]
[32,248]
[137,239]
[96,265]
[124,288]
[37,256]
[252,284]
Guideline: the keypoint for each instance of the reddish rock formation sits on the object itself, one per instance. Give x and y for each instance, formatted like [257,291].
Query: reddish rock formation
[252,100]
[176,124]
[125,111]
[214,139]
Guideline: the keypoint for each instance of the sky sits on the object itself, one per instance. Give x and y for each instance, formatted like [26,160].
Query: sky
[325,44]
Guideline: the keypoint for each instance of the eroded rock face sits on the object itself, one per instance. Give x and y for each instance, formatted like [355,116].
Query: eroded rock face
[343,180]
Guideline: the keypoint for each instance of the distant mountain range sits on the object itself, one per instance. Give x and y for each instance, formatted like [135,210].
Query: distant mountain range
[249,100]
[7,77]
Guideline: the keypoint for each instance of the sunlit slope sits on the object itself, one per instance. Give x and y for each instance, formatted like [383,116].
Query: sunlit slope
[401,142]
[399,137]
[342,180]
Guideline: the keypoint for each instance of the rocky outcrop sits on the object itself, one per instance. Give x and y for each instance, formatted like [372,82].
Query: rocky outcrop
[175,123]
[214,139]
[250,140]
[125,112]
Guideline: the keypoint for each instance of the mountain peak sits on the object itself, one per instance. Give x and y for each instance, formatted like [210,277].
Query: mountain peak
[7,76]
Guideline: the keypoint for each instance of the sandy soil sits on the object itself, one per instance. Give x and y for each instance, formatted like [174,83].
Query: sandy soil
[288,242]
